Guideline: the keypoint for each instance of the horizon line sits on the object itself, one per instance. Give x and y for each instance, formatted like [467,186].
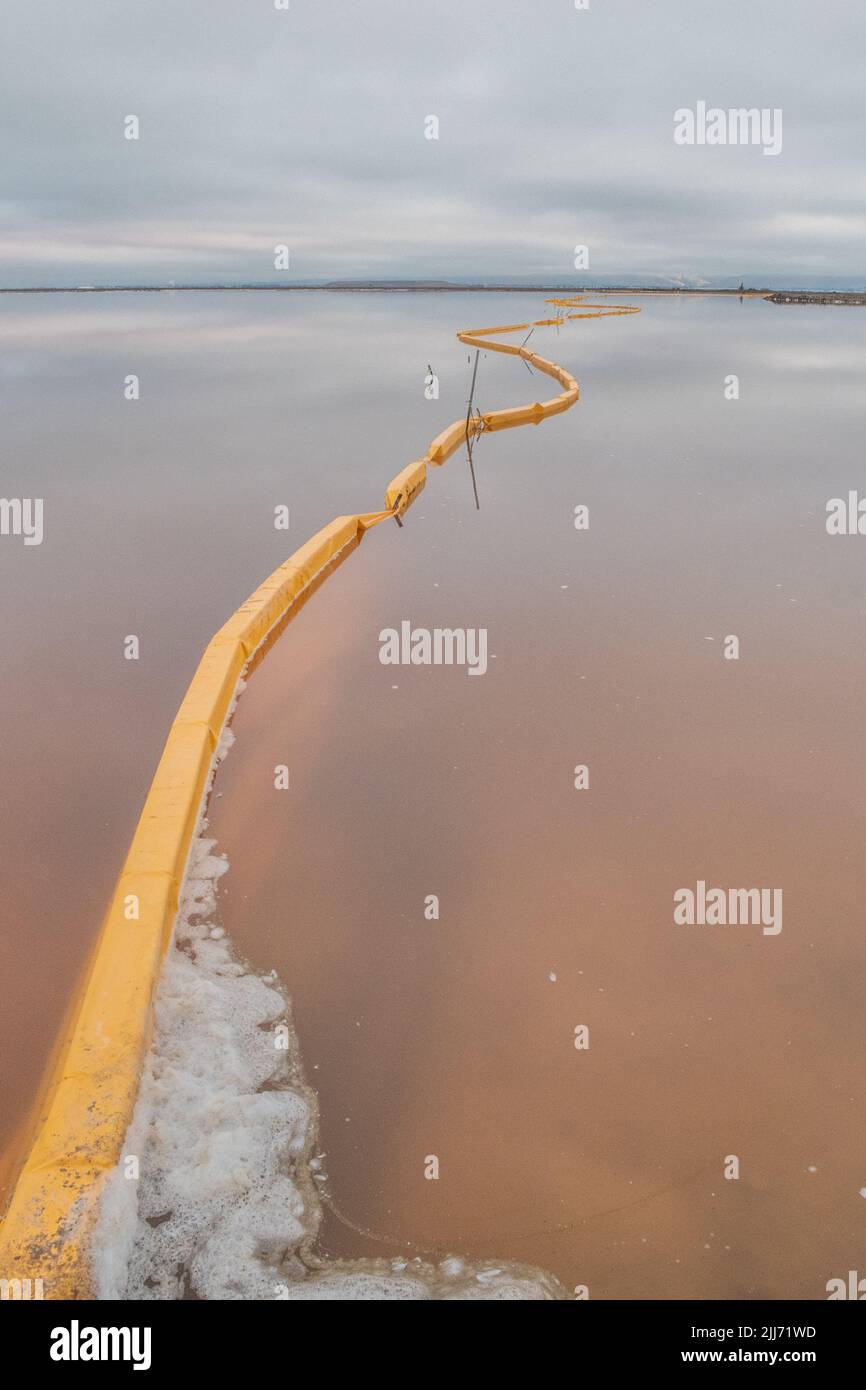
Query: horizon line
[421,284]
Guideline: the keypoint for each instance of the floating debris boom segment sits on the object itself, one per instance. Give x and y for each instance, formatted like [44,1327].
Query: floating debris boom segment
[87,1099]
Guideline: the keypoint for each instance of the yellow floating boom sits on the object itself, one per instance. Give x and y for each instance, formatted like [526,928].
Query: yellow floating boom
[88,1096]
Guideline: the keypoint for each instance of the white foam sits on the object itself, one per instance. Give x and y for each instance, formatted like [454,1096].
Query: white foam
[224,1205]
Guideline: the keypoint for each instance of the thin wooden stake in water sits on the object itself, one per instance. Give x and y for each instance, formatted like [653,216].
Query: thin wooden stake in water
[523,345]
[468,441]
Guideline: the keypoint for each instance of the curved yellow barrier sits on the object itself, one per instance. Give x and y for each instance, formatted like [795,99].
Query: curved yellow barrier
[87,1100]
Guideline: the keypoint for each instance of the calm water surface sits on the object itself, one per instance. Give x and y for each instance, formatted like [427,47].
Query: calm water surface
[449,1037]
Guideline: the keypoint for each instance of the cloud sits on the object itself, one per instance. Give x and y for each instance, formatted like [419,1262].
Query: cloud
[306,127]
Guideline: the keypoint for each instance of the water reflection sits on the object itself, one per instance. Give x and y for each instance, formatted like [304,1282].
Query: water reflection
[454,1037]
[450,1037]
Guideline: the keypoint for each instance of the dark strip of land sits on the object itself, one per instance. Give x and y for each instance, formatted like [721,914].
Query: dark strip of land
[421,287]
[816,297]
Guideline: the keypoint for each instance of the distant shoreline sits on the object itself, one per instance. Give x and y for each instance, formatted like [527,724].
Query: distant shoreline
[368,287]
[827,296]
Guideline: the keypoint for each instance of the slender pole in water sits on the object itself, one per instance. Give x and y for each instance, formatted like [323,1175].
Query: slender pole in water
[468,442]
[523,345]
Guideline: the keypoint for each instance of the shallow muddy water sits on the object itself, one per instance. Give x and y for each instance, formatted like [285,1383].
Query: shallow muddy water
[455,1037]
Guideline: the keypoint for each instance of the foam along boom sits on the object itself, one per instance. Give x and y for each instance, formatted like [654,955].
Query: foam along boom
[83,1110]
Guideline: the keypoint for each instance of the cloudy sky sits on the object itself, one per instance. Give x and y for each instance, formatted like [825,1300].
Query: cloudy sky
[306,127]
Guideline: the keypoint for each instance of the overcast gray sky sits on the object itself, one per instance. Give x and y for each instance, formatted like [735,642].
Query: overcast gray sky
[306,127]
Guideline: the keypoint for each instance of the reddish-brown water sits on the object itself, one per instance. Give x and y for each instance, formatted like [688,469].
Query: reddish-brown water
[449,1037]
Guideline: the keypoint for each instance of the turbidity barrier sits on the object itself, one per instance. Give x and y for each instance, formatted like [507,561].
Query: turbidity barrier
[87,1098]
